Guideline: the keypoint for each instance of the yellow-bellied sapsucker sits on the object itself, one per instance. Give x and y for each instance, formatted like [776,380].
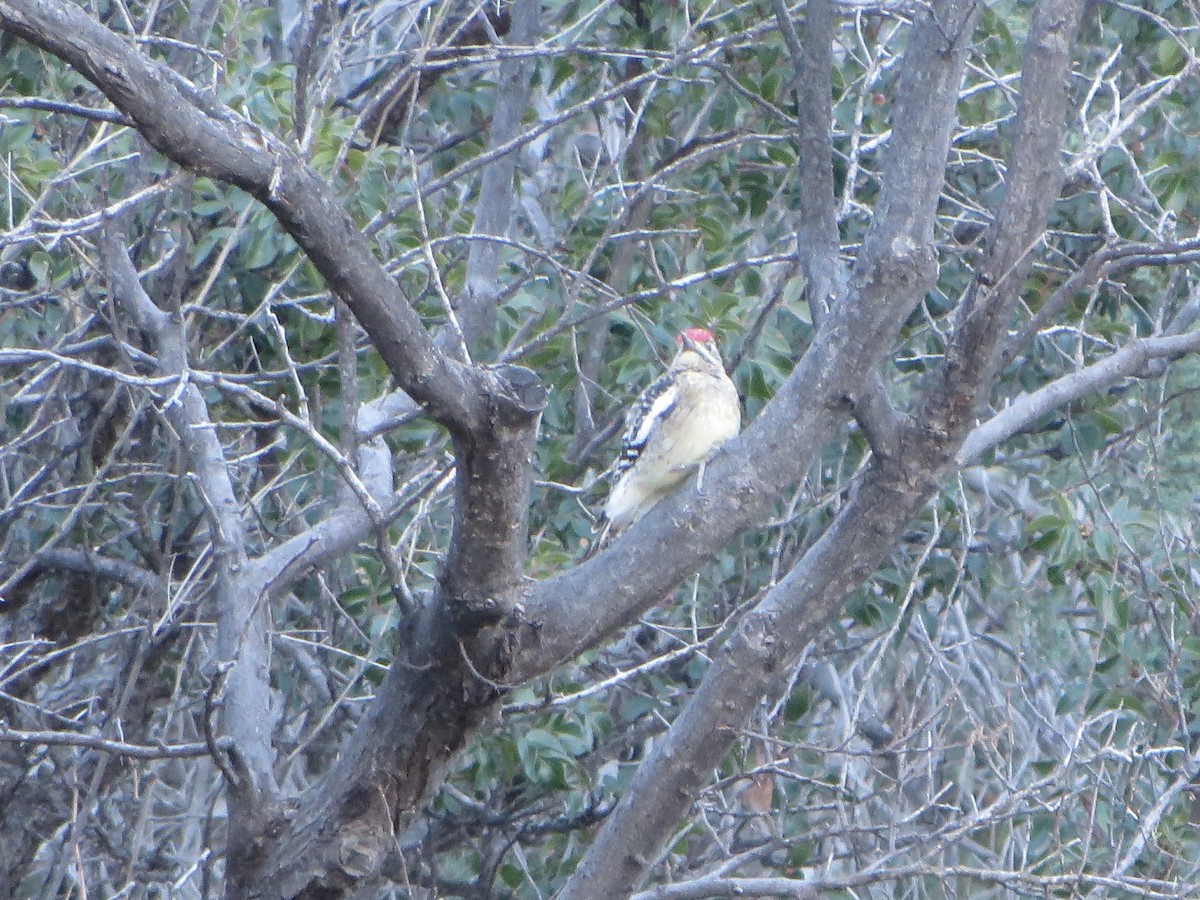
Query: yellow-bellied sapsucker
[672,428]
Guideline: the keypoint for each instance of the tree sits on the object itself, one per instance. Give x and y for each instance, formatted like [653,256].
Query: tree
[335,309]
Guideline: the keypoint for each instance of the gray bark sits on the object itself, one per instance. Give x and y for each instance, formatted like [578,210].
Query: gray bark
[494,208]
[774,633]
[243,656]
[487,628]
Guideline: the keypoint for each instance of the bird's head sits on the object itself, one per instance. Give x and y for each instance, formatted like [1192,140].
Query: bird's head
[698,349]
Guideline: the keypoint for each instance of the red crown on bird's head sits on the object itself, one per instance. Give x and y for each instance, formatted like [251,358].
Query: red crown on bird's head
[696,336]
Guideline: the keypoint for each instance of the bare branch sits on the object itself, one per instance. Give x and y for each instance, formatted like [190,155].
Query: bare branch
[816,221]
[92,563]
[493,209]
[71,109]
[1034,176]
[778,629]
[816,888]
[241,615]
[120,748]
[205,137]
[1028,408]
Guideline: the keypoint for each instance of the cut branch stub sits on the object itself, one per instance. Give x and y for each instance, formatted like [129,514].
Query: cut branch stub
[493,481]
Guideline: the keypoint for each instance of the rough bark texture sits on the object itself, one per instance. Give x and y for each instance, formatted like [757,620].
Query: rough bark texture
[427,707]
[207,138]
[242,664]
[492,414]
[897,245]
[772,636]
[486,628]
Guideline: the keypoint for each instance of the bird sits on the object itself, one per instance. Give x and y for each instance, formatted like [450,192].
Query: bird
[671,430]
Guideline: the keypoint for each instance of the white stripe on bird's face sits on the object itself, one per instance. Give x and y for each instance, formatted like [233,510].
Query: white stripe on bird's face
[696,357]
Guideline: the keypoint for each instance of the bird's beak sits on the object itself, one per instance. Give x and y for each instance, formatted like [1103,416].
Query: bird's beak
[688,343]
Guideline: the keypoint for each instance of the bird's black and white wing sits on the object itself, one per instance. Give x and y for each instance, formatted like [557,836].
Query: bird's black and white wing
[653,405]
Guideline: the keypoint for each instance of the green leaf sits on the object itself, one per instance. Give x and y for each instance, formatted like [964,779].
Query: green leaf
[798,704]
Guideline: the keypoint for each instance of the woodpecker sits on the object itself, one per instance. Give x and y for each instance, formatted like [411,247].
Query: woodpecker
[673,428]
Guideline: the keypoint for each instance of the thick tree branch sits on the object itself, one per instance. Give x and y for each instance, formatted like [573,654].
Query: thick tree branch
[434,687]
[479,627]
[768,640]
[435,693]
[242,639]
[447,674]
[775,632]
[428,706]
[818,244]
[197,132]
[492,485]
[576,609]
[770,637]
[1035,175]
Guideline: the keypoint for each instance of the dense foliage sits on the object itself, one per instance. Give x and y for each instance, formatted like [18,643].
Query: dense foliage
[1010,705]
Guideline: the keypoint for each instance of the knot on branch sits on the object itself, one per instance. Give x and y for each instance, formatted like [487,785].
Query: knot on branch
[518,394]
[910,264]
[474,614]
